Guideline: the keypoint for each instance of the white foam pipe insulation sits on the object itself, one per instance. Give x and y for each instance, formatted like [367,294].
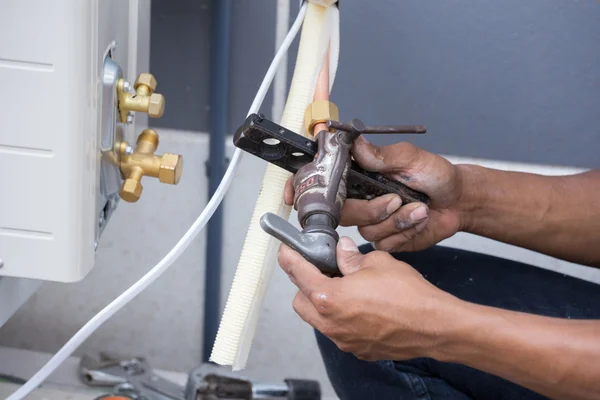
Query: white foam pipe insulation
[320,30]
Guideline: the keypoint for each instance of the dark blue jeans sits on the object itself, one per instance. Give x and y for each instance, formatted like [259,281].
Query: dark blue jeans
[479,279]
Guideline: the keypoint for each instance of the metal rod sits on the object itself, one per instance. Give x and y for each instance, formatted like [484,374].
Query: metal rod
[395,129]
[220,37]
[416,129]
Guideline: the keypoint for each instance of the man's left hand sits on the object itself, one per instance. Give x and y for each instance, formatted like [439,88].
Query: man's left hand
[380,309]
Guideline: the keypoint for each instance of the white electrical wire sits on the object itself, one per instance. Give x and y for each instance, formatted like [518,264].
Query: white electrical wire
[176,251]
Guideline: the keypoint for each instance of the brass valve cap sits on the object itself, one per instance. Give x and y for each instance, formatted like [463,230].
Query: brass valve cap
[320,111]
[171,167]
[131,190]
[156,105]
[147,80]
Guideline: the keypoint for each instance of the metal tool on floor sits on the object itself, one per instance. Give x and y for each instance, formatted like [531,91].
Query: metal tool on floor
[129,378]
[133,379]
[325,176]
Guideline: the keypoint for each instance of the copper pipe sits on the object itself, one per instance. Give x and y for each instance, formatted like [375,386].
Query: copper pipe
[322,90]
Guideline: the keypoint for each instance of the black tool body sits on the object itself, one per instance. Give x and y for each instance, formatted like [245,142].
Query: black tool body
[290,151]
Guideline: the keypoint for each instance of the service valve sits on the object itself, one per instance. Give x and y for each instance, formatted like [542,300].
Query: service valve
[142,100]
[142,161]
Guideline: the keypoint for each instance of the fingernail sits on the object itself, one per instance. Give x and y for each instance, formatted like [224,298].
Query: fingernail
[421,225]
[418,214]
[348,244]
[393,205]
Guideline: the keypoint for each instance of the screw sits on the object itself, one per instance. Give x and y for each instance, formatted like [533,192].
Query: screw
[128,150]
[129,118]
[126,87]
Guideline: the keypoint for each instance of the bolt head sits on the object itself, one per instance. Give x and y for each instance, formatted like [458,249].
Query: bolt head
[131,190]
[147,80]
[171,168]
[156,106]
[128,150]
[357,124]
[126,86]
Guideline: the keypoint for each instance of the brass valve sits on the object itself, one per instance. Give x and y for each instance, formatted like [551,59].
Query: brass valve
[143,100]
[320,111]
[142,161]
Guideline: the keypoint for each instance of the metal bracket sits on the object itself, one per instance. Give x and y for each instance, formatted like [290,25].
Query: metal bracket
[111,135]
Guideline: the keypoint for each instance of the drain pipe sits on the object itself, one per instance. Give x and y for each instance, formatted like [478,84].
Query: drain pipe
[219,90]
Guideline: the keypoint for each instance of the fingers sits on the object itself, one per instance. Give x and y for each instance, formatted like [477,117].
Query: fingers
[349,258]
[303,274]
[412,239]
[288,194]
[369,212]
[408,239]
[403,220]
[306,310]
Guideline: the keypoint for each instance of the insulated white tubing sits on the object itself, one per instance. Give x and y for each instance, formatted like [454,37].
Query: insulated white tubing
[175,252]
[238,324]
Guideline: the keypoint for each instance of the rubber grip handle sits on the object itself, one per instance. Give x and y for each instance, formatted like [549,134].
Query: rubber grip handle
[302,389]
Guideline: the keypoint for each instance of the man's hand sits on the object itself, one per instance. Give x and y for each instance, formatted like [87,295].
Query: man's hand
[384,221]
[381,309]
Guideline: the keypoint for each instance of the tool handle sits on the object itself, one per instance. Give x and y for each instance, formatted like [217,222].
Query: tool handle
[303,389]
[357,126]
[317,248]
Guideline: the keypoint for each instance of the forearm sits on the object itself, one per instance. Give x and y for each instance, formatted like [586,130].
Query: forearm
[554,215]
[555,357]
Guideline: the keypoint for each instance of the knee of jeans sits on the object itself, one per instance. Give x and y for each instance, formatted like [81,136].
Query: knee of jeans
[326,346]
[334,358]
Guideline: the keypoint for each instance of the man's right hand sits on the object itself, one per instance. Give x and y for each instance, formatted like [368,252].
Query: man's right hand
[384,221]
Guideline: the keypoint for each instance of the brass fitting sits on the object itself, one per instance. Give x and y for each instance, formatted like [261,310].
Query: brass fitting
[142,161]
[143,100]
[320,111]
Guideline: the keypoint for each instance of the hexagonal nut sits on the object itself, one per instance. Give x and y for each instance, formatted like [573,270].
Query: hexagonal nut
[320,111]
[131,190]
[147,80]
[156,106]
[171,168]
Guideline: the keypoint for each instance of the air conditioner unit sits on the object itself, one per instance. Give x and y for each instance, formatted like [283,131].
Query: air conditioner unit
[65,114]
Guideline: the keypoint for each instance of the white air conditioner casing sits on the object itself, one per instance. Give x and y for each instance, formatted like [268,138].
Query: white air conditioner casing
[52,55]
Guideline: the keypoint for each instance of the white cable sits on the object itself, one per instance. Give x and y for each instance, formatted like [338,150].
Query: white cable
[175,252]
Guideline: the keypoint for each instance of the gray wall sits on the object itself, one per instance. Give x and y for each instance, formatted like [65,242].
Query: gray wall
[180,51]
[511,80]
